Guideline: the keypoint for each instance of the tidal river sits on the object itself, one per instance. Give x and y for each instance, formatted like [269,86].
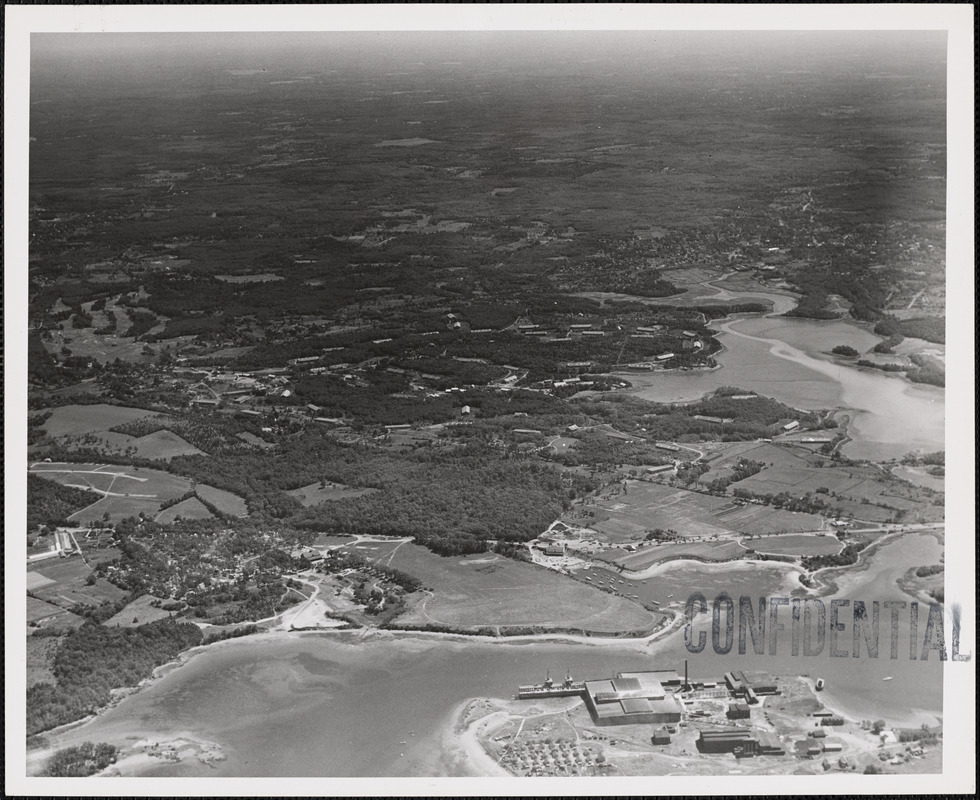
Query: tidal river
[303,705]
[789,359]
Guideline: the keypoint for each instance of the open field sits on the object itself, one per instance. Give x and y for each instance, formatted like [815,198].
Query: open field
[139,612]
[90,426]
[74,420]
[127,491]
[163,445]
[487,590]
[225,502]
[39,611]
[625,518]
[857,490]
[330,540]
[795,545]
[68,585]
[800,480]
[313,494]
[672,583]
[40,656]
[252,439]
[920,477]
[35,580]
[102,347]
[726,550]
[191,508]
[863,492]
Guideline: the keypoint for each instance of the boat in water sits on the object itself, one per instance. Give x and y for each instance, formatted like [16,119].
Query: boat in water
[567,688]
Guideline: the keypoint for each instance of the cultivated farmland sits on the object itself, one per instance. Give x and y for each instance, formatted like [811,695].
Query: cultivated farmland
[68,585]
[42,613]
[646,506]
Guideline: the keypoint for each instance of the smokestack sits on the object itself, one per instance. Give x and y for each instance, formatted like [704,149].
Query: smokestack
[687,685]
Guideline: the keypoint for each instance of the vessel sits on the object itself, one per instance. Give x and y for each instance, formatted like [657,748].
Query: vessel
[567,688]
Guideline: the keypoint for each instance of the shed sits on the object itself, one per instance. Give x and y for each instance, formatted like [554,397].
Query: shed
[660,735]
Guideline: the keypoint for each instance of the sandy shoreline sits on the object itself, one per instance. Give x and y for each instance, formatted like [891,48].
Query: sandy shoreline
[134,758]
[461,734]
[455,743]
[914,718]
[152,750]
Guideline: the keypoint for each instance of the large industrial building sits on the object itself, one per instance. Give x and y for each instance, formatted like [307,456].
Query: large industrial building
[633,698]
[742,742]
[751,684]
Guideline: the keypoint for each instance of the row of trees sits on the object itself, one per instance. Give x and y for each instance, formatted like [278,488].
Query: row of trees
[744,468]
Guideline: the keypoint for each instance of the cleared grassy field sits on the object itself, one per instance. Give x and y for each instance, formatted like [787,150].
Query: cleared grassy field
[866,512]
[313,495]
[41,609]
[252,439]
[35,580]
[796,545]
[673,584]
[100,347]
[74,419]
[329,540]
[127,491]
[161,445]
[646,506]
[489,590]
[164,445]
[68,584]
[800,480]
[225,502]
[778,456]
[40,658]
[191,508]
[139,612]
[704,551]
[96,420]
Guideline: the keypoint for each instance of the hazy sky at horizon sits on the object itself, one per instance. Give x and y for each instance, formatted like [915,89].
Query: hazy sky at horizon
[531,46]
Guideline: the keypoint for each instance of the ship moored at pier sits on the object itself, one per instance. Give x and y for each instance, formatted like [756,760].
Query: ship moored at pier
[567,688]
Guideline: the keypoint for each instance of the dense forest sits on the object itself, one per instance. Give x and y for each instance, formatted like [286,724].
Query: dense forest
[93,659]
[437,494]
[733,420]
[50,503]
[82,761]
[455,504]
[932,329]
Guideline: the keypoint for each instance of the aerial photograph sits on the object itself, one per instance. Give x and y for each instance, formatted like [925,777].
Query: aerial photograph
[486,403]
